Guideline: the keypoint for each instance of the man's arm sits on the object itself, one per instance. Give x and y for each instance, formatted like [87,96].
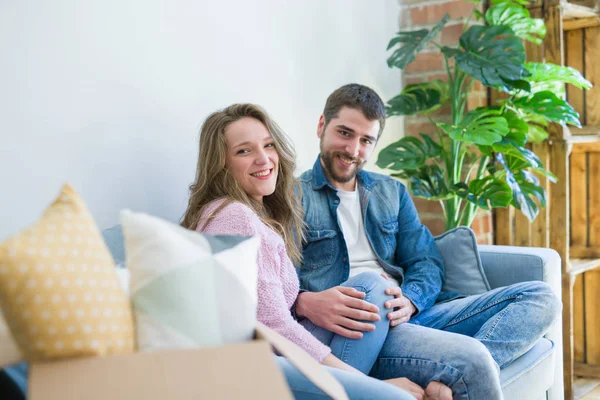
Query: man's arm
[339,310]
[418,255]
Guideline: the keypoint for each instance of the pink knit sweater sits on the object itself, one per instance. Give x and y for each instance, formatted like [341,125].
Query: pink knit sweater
[277,280]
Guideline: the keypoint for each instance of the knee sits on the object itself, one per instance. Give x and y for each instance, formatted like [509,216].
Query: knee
[477,361]
[550,305]
[374,287]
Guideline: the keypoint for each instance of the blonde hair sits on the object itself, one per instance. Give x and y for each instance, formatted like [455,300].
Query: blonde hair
[282,210]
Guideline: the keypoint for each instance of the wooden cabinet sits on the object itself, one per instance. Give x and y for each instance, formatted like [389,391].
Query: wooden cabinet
[570,224]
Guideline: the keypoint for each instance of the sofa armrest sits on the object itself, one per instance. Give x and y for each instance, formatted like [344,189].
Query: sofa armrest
[505,265]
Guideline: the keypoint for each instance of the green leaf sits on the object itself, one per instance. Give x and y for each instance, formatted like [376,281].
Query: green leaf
[524,185]
[485,193]
[428,182]
[512,148]
[556,87]
[516,86]
[529,116]
[483,126]
[521,2]
[492,54]
[408,153]
[414,42]
[419,98]
[536,134]
[519,164]
[532,192]
[552,78]
[547,72]
[545,172]
[547,105]
[516,136]
[518,19]
[517,128]
[532,189]
[450,52]
[486,150]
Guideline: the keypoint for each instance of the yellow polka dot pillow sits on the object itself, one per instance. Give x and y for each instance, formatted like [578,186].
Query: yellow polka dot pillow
[59,290]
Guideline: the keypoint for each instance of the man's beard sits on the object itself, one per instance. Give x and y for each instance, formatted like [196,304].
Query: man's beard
[328,160]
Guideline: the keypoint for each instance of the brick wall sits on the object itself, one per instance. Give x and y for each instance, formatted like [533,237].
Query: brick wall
[429,65]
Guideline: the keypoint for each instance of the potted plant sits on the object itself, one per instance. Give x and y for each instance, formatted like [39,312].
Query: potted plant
[480,159]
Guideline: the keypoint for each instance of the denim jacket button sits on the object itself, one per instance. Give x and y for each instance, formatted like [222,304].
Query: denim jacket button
[345,259]
[336,201]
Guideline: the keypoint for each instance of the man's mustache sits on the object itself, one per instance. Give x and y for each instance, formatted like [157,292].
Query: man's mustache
[347,156]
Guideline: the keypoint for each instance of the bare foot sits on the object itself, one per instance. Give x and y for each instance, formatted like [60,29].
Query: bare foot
[437,391]
[410,387]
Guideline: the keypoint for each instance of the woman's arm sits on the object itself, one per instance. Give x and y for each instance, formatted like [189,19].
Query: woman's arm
[273,309]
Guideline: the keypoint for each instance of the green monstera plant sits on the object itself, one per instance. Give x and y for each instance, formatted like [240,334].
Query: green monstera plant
[480,158]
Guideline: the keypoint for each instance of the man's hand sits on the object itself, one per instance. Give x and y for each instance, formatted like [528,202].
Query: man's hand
[340,310]
[402,306]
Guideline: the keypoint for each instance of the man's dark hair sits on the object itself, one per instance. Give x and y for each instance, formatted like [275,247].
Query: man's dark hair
[359,97]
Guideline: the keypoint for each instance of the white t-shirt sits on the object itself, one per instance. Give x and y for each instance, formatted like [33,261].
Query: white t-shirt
[362,256]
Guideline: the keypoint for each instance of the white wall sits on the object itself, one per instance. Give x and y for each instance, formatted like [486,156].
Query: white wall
[109,95]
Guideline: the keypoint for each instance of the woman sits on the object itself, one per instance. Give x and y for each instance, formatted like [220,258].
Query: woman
[245,186]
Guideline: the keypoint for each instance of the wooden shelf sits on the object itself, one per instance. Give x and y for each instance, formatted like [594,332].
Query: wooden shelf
[588,130]
[574,12]
[579,266]
[570,224]
[585,147]
[590,371]
[584,140]
[581,23]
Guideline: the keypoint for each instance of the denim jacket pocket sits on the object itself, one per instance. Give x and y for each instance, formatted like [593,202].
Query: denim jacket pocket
[388,234]
[389,227]
[319,248]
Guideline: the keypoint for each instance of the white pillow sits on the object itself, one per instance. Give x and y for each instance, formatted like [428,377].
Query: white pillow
[189,289]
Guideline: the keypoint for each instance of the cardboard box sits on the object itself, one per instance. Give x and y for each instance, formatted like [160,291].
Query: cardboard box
[239,371]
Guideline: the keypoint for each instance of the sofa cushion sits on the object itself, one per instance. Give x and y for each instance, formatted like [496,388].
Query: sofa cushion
[113,237]
[59,291]
[463,269]
[189,289]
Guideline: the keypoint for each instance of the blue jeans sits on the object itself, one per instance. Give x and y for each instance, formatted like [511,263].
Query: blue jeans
[359,353]
[464,342]
[358,387]
[16,376]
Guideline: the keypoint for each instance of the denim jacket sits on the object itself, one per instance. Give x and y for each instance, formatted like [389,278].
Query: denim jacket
[405,248]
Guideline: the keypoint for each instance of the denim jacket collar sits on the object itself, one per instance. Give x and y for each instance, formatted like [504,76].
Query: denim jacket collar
[319,180]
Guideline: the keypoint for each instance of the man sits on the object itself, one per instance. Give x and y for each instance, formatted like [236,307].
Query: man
[360,221]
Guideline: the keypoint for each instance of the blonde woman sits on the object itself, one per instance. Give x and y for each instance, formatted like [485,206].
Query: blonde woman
[245,186]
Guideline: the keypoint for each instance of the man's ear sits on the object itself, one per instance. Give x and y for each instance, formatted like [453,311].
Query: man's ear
[321,126]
